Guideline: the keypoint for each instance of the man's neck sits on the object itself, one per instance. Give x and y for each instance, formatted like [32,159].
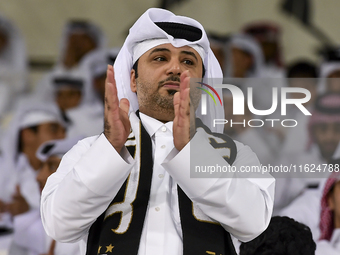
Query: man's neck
[158,115]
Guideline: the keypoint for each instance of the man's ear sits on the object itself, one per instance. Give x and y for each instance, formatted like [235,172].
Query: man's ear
[133,84]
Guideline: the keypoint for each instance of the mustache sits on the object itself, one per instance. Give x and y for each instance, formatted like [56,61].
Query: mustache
[170,78]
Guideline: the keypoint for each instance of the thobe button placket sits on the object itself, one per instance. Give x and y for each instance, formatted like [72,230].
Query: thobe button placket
[161,176]
[157,209]
[163,129]
[163,146]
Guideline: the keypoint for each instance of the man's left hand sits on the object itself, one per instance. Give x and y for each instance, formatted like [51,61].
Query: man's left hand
[181,126]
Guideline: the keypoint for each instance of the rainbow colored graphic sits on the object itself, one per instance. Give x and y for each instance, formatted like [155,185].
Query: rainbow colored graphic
[209,93]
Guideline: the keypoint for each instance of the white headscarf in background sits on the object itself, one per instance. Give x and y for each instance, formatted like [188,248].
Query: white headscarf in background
[45,90]
[146,29]
[94,64]
[13,66]
[248,44]
[88,96]
[91,29]
[97,60]
[28,113]
[56,148]
[326,69]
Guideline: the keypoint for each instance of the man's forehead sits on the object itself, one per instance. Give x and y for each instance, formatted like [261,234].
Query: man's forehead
[168,47]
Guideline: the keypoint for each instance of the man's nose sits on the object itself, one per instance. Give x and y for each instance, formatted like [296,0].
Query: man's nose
[174,68]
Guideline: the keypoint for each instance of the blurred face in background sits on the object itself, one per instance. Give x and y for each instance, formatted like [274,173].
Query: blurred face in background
[32,138]
[3,40]
[269,50]
[228,113]
[242,62]
[327,137]
[78,45]
[305,83]
[68,98]
[48,168]
[219,54]
[99,86]
[43,133]
[333,84]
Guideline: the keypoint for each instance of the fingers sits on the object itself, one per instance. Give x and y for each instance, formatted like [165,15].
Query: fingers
[177,99]
[110,77]
[111,96]
[183,102]
[124,105]
[109,82]
[181,127]
[116,116]
[185,80]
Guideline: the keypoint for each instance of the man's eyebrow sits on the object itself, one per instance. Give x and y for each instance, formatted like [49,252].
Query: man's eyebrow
[158,50]
[189,53]
[167,50]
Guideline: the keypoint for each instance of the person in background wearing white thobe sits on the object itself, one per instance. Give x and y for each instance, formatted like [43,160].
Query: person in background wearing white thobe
[300,74]
[95,64]
[79,37]
[32,125]
[268,35]
[324,130]
[74,96]
[30,237]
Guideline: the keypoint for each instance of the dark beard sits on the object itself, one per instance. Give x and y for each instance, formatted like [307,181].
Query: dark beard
[161,105]
[166,104]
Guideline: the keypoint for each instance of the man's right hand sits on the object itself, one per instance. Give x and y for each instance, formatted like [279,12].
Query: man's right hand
[116,115]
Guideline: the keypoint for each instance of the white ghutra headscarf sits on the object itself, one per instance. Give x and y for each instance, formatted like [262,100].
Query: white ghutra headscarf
[144,30]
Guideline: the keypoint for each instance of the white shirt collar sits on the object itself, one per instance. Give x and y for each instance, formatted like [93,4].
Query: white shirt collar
[152,125]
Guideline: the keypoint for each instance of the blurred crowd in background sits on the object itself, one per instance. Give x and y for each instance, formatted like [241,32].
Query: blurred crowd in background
[38,126]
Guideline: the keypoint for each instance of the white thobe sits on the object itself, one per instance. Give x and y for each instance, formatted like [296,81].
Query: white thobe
[91,174]
[30,238]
